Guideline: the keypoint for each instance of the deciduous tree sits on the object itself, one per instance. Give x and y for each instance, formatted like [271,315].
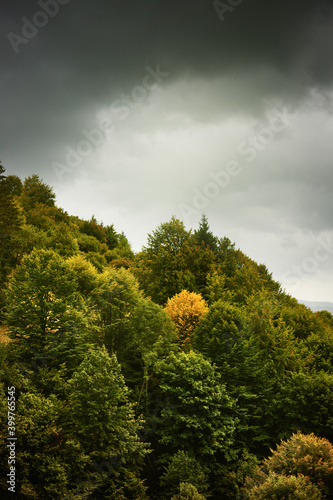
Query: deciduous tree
[41,299]
[183,468]
[35,191]
[282,487]
[172,261]
[188,492]
[301,455]
[11,224]
[200,418]
[186,309]
[99,408]
[160,267]
[115,298]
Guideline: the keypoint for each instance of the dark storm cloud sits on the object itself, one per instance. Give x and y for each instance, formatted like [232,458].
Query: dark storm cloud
[115,39]
[100,48]
[89,53]
[223,73]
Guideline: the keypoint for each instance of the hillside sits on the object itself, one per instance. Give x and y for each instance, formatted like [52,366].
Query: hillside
[164,374]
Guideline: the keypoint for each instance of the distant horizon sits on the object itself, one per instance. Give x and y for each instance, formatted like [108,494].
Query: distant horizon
[318,305]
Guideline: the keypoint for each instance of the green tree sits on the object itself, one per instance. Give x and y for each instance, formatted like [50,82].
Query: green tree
[130,326]
[11,215]
[35,192]
[121,254]
[172,261]
[43,472]
[183,468]
[93,228]
[223,336]
[302,320]
[37,200]
[326,318]
[149,323]
[150,333]
[255,354]
[188,492]
[227,480]
[60,239]
[160,267]
[220,331]
[247,281]
[228,258]
[203,236]
[41,299]
[112,237]
[200,417]
[318,349]
[279,355]
[278,347]
[13,184]
[199,262]
[115,297]
[100,417]
[85,273]
[242,276]
[44,217]
[81,440]
[88,243]
[305,403]
[11,224]
[217,288]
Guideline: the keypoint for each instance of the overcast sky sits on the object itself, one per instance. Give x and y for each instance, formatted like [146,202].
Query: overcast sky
[135,111]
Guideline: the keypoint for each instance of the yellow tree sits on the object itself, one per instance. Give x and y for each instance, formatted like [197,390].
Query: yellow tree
[186,309]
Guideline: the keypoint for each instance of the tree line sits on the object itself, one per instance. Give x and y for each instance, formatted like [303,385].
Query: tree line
[183,371]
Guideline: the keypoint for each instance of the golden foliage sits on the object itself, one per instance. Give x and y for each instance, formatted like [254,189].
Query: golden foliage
[4,339]
[186,309]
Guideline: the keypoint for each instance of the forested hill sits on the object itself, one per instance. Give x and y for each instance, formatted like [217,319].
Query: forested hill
[164,374]
[174,258]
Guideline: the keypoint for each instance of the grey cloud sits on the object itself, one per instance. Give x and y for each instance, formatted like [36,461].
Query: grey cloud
[224,79]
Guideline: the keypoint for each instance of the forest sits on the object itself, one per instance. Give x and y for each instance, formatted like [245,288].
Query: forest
[180,372]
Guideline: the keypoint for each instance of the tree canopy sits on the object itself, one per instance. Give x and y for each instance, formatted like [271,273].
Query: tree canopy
[173,373]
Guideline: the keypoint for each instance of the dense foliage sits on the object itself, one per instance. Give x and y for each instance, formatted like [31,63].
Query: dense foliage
[170,374]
